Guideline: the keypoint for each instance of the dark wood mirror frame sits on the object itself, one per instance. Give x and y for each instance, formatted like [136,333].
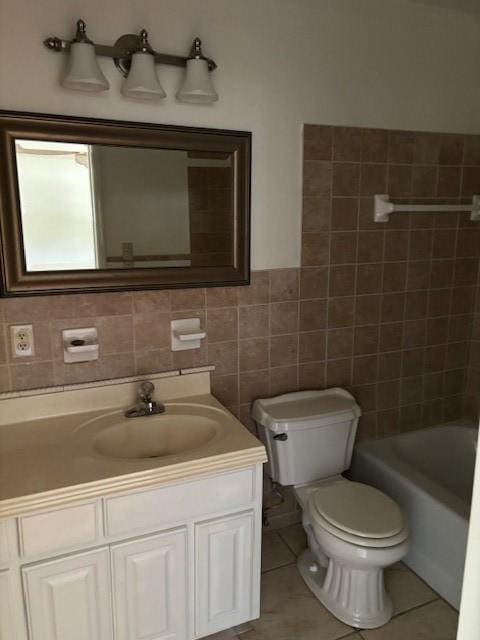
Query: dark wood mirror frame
[17,281]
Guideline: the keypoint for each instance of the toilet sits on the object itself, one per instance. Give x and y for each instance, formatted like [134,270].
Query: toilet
[353,530]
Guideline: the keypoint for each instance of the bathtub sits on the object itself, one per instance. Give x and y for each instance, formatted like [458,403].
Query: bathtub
[430,475]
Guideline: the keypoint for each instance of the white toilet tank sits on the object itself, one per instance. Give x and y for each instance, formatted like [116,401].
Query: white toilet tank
[309,435]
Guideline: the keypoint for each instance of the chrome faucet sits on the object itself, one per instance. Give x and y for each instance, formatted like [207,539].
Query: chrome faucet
[147,406]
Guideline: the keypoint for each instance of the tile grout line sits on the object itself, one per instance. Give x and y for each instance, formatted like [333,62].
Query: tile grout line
[403,613]
[280,566]
[287,544]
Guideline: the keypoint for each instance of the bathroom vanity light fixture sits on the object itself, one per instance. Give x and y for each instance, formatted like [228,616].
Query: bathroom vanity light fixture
[82,72]
[136,60]
[142,81]
[198,86]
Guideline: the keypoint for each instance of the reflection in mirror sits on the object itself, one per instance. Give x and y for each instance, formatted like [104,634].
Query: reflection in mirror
[114,207]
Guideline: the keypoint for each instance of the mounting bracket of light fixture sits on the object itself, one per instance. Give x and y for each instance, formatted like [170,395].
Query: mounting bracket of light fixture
[83,72]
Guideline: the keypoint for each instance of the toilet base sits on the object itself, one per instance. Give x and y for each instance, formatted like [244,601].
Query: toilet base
[356,597]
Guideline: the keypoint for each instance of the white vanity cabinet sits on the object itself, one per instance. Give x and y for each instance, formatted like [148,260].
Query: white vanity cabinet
[175,561]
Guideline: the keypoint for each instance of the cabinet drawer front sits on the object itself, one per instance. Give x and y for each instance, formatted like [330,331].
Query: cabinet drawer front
[61,529]
[70,599]
[150,587]
[158,508]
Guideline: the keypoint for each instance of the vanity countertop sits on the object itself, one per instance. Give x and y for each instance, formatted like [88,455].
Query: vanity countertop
[47,458]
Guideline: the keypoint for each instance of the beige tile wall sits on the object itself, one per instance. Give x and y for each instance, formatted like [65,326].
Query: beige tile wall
[211,218]
[392,304]
[252,337]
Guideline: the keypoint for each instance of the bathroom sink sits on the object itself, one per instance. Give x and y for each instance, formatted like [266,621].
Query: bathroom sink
[180,429]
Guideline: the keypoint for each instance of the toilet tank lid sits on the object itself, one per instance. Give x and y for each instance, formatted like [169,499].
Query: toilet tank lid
[305,409]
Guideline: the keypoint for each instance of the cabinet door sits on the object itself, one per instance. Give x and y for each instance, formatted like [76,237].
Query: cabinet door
[223,576]
[7,608]
[69,599]
[150,587]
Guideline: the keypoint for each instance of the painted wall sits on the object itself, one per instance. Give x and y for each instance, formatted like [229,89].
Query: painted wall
[382,63]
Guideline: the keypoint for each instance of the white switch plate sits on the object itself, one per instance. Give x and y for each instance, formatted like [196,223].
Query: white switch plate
[21,339]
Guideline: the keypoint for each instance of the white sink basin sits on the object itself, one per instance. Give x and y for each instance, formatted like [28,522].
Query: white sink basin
[180,429]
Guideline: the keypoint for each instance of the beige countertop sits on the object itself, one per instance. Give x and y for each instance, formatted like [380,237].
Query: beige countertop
[47,456]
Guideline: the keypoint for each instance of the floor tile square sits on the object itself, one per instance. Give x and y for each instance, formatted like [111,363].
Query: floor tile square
[228,634]
[434,621]
[294,536]
[275,552]
[406,589]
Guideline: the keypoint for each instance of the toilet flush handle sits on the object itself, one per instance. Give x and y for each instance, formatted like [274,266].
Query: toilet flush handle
[281,436]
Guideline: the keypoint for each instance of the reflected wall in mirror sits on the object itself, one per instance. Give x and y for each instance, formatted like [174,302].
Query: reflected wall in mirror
[101,205]
[181,203]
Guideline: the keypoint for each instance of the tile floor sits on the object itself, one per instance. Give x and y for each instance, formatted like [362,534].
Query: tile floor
[290,612]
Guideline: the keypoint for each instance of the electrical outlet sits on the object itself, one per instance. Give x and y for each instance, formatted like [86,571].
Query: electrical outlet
[21,337]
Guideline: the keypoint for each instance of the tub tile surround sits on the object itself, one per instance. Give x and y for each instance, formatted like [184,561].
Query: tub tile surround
[399,296]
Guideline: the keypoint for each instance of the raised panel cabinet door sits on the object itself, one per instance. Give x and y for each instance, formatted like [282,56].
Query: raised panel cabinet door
[70,598]
[150,587]
[223,573]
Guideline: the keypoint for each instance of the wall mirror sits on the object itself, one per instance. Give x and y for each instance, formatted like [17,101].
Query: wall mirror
[96,205]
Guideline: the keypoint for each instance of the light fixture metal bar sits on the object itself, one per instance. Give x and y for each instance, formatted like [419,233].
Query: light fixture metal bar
[122,53]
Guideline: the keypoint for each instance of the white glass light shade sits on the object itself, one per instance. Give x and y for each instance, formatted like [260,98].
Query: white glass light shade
[142,81]
[198,86]
[82,72]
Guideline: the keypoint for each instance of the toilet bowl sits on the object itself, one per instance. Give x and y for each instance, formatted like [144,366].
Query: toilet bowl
[357,532]
[354,531]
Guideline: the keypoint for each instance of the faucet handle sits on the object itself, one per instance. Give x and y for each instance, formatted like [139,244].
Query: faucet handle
[146,391]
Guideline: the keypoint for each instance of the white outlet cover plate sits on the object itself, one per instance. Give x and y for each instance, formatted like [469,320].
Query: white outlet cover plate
[22,348]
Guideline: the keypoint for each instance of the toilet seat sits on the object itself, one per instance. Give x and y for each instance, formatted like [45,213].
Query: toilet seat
[357,513]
